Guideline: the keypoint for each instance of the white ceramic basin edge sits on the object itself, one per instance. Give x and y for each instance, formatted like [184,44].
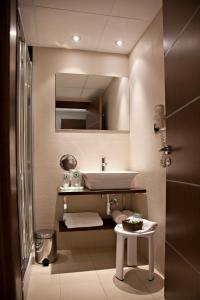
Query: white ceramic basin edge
[108,179]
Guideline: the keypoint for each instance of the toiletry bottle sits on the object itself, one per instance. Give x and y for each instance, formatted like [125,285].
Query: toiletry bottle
[66,180]
[76,178]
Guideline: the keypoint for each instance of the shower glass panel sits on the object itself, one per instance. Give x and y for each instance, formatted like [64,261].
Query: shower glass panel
[24,153]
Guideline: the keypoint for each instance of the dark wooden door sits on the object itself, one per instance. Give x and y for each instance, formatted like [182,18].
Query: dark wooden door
[10,268]
[73,124]
[182,85]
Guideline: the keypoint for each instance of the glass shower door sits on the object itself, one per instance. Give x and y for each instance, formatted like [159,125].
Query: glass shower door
[24,154]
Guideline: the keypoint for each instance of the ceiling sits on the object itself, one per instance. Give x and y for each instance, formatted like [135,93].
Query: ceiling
[79,87]
[99,23]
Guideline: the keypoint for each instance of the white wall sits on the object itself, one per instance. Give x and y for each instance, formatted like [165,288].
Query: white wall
[147,89]
[50,145]
[140,152]
[116,99]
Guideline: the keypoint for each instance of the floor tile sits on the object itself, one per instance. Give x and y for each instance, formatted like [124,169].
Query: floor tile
[39,269]
[130,288]
[74,262]
[125,292]
[155,287]
[83,291]
[90,275]
[44,287]
[106,276]
[103,259]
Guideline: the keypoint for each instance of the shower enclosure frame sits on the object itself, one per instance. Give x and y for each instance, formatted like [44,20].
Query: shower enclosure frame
[24,150]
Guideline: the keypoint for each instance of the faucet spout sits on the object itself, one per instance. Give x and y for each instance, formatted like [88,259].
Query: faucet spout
[103,163]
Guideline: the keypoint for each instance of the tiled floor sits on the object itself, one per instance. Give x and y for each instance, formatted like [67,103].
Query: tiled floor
[89,275]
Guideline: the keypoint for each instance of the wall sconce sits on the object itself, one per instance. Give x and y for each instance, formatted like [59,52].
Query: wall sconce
[160,128]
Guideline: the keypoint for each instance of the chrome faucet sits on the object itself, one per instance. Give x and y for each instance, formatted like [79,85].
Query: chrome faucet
[110,202]
[103,164]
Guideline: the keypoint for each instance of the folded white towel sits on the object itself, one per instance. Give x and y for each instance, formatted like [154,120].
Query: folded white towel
[147,225]
[118,216]
[82,219]
[127,212]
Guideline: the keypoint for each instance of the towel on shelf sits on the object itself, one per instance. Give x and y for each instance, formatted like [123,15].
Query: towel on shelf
[127,212]
[82,219]
[118,216]
[147,225]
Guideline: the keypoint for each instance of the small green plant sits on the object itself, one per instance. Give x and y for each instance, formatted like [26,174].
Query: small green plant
[134,221]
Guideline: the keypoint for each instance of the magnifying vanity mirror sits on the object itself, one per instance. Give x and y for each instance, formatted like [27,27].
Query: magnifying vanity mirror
[91,102]
[68,162]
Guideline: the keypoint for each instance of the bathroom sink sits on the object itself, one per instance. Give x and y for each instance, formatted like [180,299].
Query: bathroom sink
[95,180]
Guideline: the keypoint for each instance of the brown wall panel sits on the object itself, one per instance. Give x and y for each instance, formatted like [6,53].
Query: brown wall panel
[183,134]
[174,21]
[183,215]
[182,285]
[182,89]
[182,72]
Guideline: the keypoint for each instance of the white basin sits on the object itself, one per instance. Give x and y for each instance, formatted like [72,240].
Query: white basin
[95,180]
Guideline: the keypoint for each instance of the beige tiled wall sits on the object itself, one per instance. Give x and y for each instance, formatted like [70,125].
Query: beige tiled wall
[50,145]
[138,151]
[147,89]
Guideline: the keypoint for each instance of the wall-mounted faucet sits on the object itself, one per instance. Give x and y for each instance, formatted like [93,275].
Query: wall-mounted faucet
[103,163]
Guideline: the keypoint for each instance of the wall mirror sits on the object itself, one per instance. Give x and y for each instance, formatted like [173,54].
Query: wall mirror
[91,102]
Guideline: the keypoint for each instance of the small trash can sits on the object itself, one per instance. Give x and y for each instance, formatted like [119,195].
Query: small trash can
[45,246]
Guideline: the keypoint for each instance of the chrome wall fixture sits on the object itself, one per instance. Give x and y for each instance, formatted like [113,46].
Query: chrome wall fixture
[159,118]
[160,128]
[110,202]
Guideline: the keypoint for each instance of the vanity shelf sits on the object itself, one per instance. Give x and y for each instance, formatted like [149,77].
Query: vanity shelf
[107,224]
[134,190]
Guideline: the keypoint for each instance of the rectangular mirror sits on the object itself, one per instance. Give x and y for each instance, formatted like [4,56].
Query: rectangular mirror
[91,102]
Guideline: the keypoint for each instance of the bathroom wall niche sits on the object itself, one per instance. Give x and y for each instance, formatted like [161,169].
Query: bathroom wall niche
[91,102]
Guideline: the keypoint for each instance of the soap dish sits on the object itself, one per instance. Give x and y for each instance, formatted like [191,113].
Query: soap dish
[132,226]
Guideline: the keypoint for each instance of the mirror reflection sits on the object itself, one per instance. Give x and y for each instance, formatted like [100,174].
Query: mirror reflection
[91,102]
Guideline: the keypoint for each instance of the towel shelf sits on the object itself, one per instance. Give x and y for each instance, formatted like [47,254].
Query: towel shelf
[107,224]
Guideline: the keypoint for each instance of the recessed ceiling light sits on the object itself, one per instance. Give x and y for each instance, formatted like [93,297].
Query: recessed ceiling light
[119,43]
[76,38]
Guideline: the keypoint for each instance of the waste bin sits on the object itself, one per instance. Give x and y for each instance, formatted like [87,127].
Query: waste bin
[45,246]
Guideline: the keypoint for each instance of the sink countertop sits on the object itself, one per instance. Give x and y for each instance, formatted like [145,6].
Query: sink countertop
[103,191]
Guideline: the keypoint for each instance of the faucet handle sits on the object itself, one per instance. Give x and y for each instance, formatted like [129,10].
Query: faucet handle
[103,163]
